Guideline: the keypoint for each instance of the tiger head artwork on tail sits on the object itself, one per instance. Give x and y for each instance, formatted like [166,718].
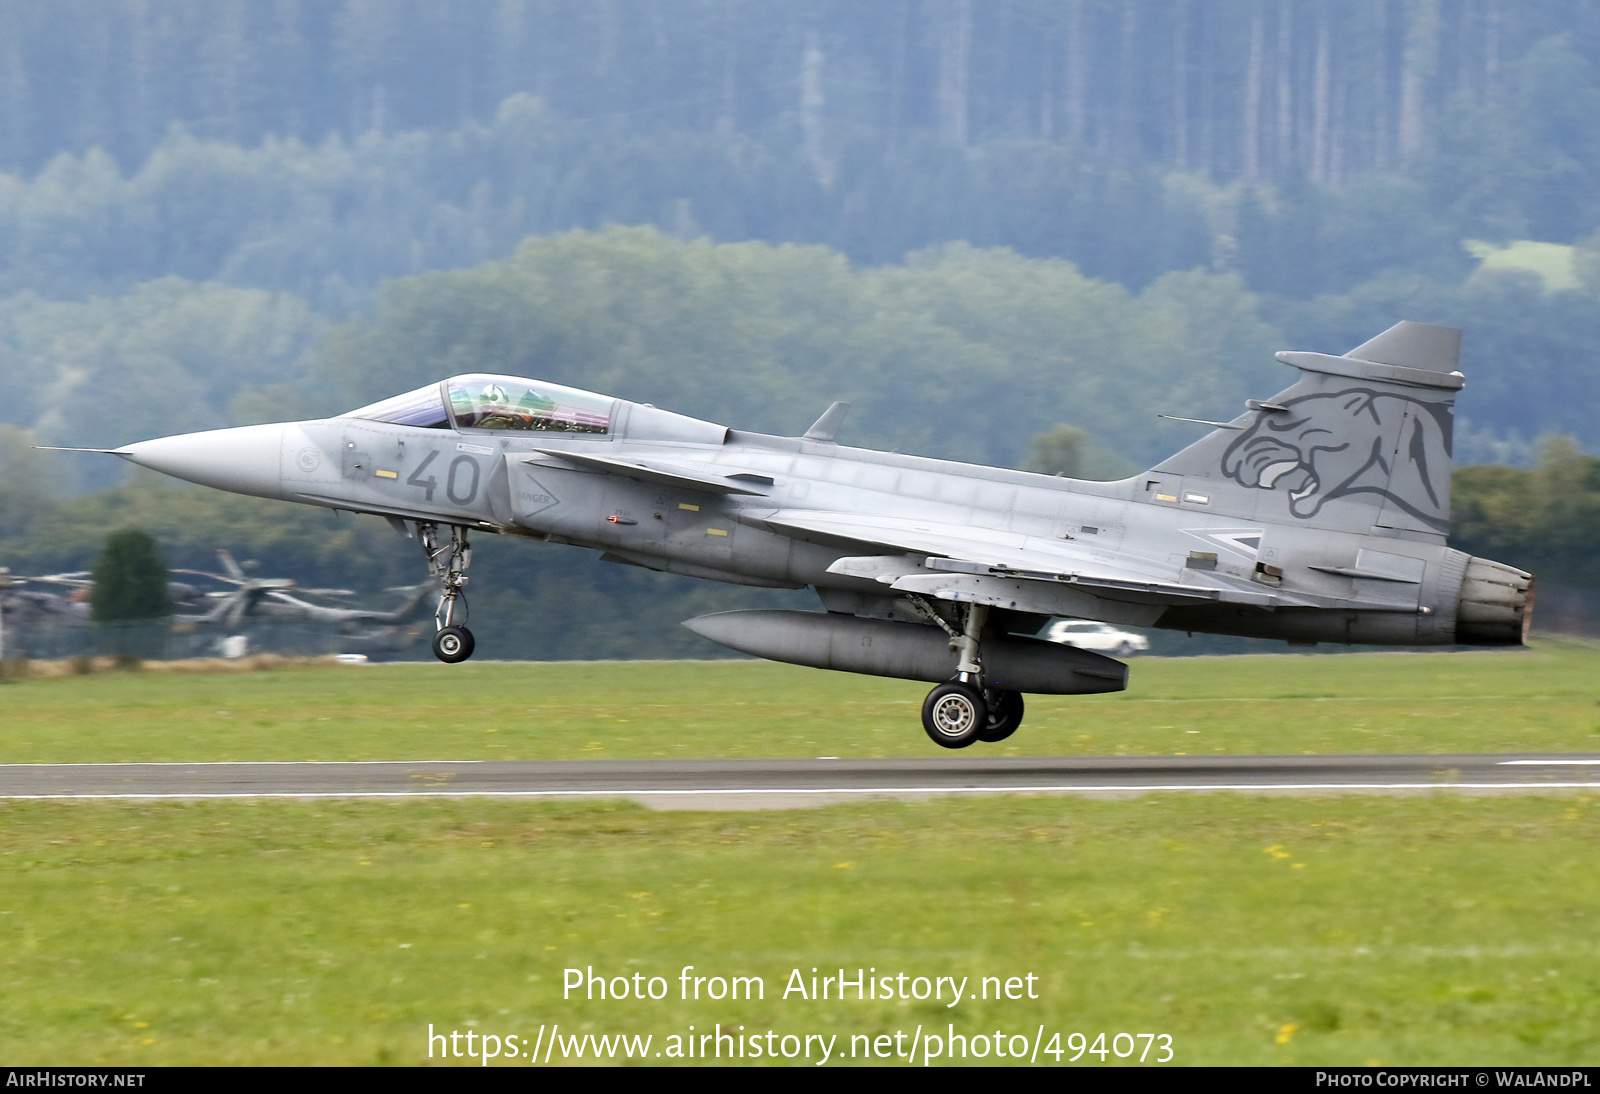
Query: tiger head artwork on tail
[1337,443]
[1360,441]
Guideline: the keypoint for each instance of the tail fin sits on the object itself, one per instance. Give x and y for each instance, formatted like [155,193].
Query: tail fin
[1359,442]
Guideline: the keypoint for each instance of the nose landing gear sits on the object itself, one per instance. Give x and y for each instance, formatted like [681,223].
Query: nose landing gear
[448,562]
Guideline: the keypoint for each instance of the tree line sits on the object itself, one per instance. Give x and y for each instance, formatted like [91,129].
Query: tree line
[959,353]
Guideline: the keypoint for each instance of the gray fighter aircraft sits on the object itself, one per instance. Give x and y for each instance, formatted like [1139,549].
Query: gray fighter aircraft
[1318,515]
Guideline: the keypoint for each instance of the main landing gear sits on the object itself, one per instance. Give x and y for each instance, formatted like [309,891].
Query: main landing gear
[448,562]
[957,713]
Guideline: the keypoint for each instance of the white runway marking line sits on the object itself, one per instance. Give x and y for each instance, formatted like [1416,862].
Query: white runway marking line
[1550,763]
[242,763]
[888,791]
[1315,698]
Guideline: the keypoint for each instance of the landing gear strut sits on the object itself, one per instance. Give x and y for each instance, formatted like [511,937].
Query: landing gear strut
[957,713]
[448,562]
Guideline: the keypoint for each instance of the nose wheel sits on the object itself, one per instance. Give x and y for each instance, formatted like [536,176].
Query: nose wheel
[448,562]
[453,644]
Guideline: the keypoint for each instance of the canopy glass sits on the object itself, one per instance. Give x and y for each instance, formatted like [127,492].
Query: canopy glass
[423,407]
[483,401]
[507,402]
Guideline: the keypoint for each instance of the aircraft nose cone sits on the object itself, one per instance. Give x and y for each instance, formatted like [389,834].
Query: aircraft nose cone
[245,460]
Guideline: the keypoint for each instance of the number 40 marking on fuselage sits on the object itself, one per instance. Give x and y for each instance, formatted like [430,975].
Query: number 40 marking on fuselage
[452,485]
[429,483]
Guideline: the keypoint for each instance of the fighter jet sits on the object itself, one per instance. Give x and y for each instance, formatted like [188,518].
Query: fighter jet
[1317,515]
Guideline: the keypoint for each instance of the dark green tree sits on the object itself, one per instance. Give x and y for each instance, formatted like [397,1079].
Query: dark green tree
[1060,451]
[1544,519]
[130,580]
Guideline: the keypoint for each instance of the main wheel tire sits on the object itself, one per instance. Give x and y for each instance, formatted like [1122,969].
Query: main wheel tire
[453,645]
[954,714]
[1005,715]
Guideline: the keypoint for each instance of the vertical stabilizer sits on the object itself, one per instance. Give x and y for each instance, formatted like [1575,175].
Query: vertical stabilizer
[1413,345]
[1361,442]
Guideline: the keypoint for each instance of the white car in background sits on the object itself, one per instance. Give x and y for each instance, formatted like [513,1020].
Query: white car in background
[1086,634]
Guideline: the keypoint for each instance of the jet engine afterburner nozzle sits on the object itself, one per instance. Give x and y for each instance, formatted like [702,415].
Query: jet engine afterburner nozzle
[1495,605]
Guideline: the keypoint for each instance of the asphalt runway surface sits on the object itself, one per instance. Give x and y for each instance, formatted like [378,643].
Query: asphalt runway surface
[780,784]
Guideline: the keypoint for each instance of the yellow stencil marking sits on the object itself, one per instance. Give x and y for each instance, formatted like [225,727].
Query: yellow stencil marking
[686,505]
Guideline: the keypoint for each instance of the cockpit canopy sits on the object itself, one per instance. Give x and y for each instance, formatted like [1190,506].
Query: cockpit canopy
[423,407]
[483,401]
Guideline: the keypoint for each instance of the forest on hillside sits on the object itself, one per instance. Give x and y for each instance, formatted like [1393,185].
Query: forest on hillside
[320,147]
[1250,89]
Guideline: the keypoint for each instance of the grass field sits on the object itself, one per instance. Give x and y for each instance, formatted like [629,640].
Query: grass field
[1551,261]
[1250,930]
[1542,699]
[1435,928]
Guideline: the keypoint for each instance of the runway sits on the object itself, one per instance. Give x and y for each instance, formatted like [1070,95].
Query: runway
[780,784]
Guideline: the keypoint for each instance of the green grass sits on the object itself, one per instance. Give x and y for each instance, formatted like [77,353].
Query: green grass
[1551,261]
[1428,929]
[1543,699]
[1422,930]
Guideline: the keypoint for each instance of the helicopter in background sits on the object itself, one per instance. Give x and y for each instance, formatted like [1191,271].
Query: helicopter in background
[246,602]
